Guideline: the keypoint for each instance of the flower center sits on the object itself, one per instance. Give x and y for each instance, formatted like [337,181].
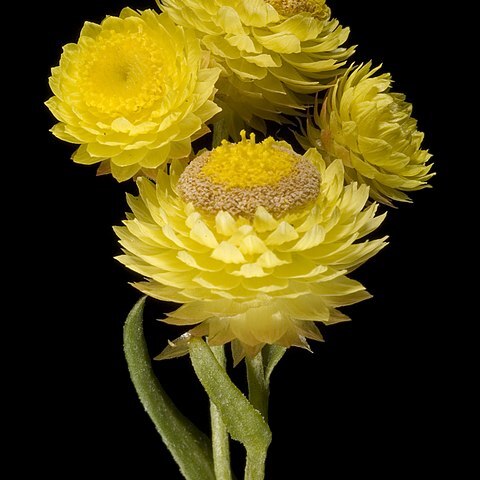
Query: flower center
[289,8]
[248,164]
[240,177]
[121,72]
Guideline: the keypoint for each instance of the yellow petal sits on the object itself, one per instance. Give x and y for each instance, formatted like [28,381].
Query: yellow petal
[284,233]
[228,253]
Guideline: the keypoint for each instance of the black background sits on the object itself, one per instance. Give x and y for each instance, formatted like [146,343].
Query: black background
[375,398]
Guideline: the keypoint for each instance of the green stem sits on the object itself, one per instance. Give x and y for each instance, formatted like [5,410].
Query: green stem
[258,394]
[220,438]
[258,389]
[220,133]
[255,467]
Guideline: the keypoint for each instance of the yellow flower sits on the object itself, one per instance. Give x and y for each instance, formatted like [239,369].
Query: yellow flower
[371,130]
[273,54]
[133,92]
[254,240]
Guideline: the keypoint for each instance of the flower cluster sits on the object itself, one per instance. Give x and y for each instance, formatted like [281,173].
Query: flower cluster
[133,92]
[371,130]
[255,240]
[257,258]
[273,54]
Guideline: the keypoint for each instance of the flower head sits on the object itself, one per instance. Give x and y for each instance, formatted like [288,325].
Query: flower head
[134,92]
[254,240]
[274,54]
[371,130]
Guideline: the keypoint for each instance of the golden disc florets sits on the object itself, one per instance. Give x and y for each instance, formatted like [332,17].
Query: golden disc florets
[289,8]
[240,177]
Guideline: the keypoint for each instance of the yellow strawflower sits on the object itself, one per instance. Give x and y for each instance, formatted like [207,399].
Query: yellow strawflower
[371,130]
[274,54]
[133,92]
[254,240]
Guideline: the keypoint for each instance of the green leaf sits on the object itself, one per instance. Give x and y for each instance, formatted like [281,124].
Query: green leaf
[258,391]
[190,448]
[244,423]
[272,354]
